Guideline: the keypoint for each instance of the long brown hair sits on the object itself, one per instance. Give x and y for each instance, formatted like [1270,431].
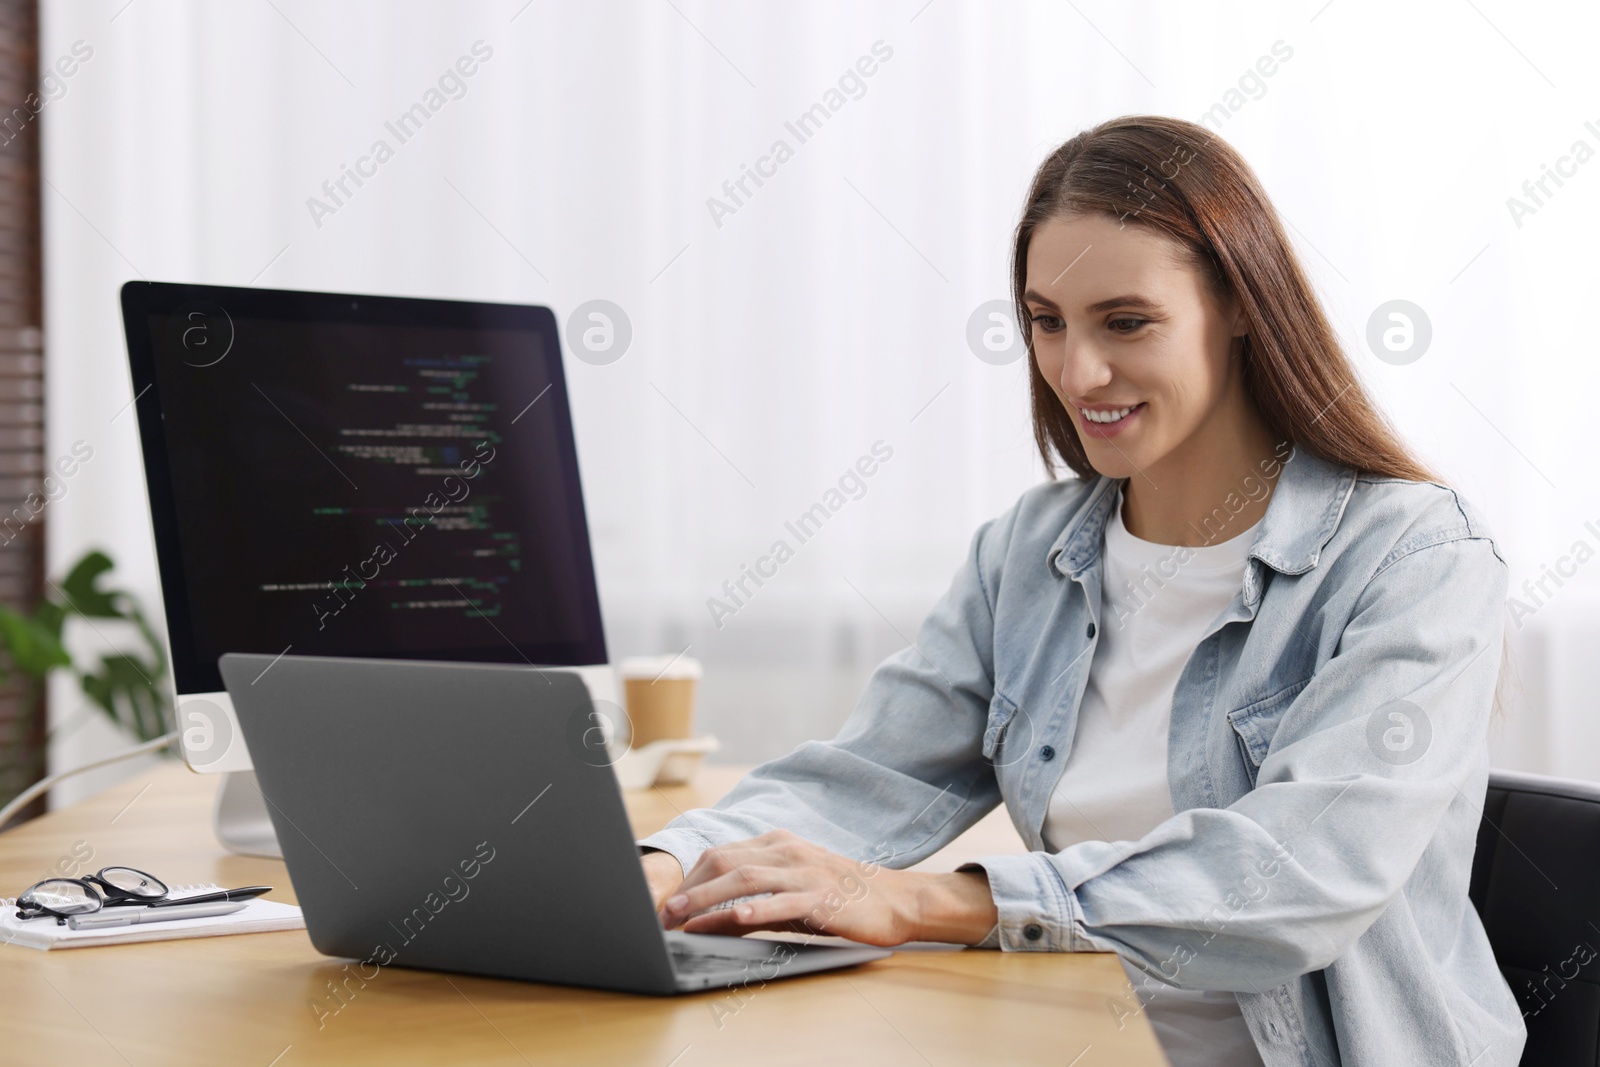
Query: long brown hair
[1181,180]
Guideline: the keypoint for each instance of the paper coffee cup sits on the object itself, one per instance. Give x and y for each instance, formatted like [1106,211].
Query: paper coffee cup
[659,692]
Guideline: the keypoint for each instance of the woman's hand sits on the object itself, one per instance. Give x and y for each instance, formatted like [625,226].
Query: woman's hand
[816,891]
[663,873]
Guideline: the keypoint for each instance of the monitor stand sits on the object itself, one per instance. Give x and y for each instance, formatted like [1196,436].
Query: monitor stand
[241,818]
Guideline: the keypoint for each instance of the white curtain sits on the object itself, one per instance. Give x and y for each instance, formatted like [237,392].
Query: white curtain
[777,337]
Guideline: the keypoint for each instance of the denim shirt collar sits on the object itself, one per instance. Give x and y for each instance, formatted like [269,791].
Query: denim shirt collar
[1301,518]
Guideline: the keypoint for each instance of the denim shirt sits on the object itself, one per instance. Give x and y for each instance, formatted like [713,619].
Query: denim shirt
[1327,757]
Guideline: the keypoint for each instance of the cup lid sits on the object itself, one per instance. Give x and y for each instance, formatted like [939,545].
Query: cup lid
[651,668]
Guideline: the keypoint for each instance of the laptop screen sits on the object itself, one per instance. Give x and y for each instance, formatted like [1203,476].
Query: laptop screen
[342,475]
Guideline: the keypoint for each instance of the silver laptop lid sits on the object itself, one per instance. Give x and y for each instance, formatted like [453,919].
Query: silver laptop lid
[450,816]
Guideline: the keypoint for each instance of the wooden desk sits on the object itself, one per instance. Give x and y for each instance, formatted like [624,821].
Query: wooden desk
[247,999]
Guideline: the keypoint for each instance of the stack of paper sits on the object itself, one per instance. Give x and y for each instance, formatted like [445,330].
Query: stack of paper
[258,916]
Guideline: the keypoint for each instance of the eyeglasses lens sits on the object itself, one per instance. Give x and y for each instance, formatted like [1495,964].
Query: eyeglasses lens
[60,896]
[132,882]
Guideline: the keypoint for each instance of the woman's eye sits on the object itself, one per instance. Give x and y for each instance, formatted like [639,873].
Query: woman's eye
[1047,323]
[1135,324]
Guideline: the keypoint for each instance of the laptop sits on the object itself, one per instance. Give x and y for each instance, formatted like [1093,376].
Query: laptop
[462,817]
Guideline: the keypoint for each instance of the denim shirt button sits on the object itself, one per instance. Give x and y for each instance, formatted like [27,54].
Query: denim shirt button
[1090,631]
[1047,753]
[1033,931]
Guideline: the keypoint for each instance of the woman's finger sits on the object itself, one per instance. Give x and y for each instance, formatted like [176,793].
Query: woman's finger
[724,859]
[721,921]
[787,911]
[741,881]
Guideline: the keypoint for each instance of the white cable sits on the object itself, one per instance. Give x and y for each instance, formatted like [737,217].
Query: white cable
[25,797]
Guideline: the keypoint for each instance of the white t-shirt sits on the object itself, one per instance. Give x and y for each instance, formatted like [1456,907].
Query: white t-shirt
[1158,601]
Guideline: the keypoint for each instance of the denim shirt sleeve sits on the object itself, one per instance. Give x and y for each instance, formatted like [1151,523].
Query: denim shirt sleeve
[1287,878]
[906,773]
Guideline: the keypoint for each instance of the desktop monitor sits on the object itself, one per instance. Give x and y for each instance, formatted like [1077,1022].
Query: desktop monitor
[346,475]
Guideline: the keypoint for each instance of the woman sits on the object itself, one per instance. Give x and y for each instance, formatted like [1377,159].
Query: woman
[1232,682]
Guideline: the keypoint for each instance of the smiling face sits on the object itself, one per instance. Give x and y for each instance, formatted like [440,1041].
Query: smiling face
[1137,348]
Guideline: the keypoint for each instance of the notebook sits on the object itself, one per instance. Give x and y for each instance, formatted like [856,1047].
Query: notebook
[259,916]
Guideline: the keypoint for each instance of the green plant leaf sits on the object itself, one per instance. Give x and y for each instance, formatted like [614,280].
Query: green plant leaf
[80,589]
[34,649]
[128,690]
[50,615]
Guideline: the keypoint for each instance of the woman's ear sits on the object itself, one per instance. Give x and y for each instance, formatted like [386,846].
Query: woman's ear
[1241,328]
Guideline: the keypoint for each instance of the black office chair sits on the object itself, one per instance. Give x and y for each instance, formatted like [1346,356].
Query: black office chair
[1536,885]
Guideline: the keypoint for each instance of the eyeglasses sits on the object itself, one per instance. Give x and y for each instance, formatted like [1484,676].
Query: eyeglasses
[113,886]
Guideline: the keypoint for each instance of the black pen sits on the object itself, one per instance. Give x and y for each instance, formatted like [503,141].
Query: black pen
[247,893]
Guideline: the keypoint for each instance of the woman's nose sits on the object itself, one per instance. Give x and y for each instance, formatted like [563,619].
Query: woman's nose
[1083,370]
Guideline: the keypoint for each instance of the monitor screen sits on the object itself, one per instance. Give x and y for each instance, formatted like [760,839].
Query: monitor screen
[349,475]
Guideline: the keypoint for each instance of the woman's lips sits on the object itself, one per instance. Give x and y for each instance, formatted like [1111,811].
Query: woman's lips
[1110,429]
